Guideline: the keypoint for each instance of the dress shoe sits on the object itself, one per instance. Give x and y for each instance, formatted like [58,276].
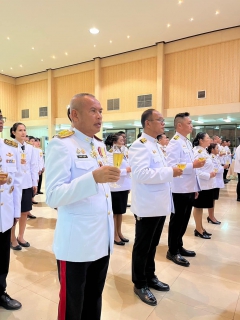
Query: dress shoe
[124,239]
[128,206]
[187,253]
[146,296]
[119,243]
[8,303]
[238,199]
[34,202]
[31,216]
[39,192]
[203,236]
[213,222]
[154,283]
[225,181]
[207,233]
[18,247]
[25,245]
[178,259]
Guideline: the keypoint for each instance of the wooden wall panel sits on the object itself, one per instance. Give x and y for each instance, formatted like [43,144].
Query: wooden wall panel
[8,101]
[32,96]
[214,68]
[127,81]
[67,86]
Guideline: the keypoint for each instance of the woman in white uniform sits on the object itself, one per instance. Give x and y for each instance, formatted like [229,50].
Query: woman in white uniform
[29,170]
[213,150]
[119,194]
[206,179]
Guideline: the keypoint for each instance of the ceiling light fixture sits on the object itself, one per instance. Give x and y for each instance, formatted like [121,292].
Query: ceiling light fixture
[94,46]
[168,25]
[53,57]
[217,12]
[191,19]
[66,53]
[2,70]
[41,59]
[110,41]
[20,66]
[180,2]
[11,68]
[128,37]
[32,48]
[8,38]
[94,31]
[227,120]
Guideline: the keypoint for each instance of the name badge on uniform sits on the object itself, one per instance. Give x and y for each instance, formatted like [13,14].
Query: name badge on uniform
[10,161]
[9,154]
[82,156]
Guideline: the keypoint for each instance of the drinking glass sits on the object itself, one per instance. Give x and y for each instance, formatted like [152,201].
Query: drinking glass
[181,165]
[118,155]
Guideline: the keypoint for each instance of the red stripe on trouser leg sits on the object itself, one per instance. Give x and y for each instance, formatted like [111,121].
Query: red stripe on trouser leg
[62,293]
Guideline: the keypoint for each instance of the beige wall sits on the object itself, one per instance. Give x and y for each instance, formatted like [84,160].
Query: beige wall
[208,62]
[214,68]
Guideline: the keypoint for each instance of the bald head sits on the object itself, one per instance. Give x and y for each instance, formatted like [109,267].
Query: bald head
[80,100]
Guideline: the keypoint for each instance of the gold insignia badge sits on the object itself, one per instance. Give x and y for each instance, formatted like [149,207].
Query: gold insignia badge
[143,140]
[83,151]
[11,189]
[78,151]
[111,150]
[9,154]
[176,137]
[154,151]
[199,151]
[65,133]
[9,180]
[11,143]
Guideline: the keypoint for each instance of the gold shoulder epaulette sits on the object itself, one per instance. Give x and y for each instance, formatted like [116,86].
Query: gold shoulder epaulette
[110,150]
[28,142]
[65,133]
[11,143]
[143,140]
[176,137]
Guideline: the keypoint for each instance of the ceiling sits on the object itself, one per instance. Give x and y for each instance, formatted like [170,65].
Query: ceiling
[60,28]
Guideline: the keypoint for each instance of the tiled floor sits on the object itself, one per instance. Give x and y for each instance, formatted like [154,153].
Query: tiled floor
[208,290]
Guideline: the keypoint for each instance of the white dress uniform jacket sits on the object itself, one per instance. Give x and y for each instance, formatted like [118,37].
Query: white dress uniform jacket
[219,175]
[10,192]
[30,169]
[41,163]
[228,155]
[125,181]
[203,173]
[151,177]
[84,229]
[237,160]
[180,149]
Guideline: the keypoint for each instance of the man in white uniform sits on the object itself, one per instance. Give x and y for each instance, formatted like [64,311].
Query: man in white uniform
[151,203]
[184,190]
[10,210]
[77,184]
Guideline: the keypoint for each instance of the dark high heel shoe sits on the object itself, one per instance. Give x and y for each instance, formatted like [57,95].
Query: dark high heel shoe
[119,243]
[213,222]
[207,233]
[203,236]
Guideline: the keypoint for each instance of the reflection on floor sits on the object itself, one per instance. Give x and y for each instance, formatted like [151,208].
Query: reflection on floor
[208,289]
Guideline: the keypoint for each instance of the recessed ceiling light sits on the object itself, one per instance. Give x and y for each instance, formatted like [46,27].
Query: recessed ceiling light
[53,57]
[110,41]
[94,31]
[94,46]
[11,68]
[168,25]
[180,2]
[20,66]
[217,12]
[32,48]
[41,59]
[128,37]
[8,38]
[66,53]
[191,19]
[2,70]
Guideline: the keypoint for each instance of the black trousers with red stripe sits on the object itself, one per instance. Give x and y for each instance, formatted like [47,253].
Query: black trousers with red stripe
[81,286]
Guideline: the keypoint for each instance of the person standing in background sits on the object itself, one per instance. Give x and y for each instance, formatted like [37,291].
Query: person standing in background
[162,139]
[29,170]
[120,193]
[184,190]
[237,169]
[151,203]
[10,210]
[37,145]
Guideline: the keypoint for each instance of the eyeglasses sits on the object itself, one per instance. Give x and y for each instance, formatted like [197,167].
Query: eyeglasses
[159,120]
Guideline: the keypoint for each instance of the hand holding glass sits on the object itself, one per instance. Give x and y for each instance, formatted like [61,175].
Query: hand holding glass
[181,165]
[118,154]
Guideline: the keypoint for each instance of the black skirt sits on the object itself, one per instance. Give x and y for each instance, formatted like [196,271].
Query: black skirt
[216,193]
[119,201]
[26,203]
[205,199]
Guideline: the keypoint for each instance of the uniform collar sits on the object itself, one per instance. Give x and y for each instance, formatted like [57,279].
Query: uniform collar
[201,148]
[144,135]
[19,143]
[82,136]
[181,136]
